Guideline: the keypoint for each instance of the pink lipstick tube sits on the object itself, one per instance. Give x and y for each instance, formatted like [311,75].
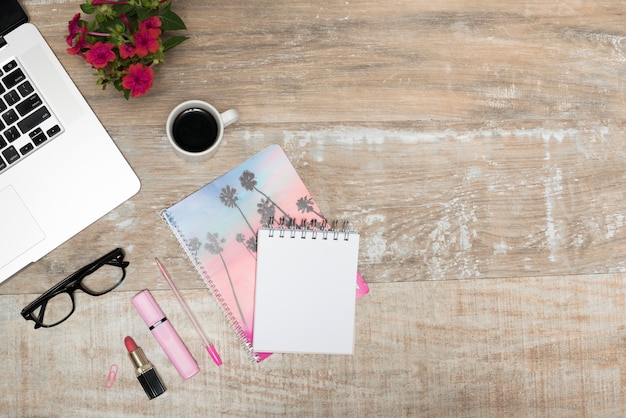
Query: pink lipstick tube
[165,334]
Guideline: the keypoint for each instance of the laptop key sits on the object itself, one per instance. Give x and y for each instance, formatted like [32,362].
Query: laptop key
[34,119]
[11,65]
[11,154]
[27,148]
[3,165]
[10,116]
[35,132]
[28,105]
[11,134]
[39,138]
[53,131]
[25,88]
[12,97]
[14,78]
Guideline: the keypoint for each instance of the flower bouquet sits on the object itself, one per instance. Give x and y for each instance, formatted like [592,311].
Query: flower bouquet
[124,41]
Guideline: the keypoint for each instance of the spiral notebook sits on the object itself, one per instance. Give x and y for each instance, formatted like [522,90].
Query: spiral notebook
[217,228]
[305,291]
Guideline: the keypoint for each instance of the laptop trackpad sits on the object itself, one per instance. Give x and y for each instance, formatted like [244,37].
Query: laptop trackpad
[18,228]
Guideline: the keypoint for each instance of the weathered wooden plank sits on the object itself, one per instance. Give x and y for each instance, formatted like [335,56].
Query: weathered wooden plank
[432,202]
[367,61]
[454,348]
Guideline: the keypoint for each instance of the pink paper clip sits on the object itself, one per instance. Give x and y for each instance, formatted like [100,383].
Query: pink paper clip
[111,376]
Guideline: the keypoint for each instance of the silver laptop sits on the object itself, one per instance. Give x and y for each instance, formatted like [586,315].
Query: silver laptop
[59,169]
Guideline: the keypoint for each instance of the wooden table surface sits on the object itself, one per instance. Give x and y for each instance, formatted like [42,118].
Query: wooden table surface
[478,147]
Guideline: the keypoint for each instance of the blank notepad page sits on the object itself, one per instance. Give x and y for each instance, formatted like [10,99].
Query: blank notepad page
[305,291]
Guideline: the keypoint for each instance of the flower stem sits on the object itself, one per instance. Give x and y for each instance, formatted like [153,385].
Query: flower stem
[98,34]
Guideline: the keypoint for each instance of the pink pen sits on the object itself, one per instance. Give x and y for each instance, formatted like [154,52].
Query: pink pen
[165,334]
[210,348]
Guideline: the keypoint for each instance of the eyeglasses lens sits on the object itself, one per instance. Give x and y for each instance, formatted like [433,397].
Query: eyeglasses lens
[103,280]
[56,310]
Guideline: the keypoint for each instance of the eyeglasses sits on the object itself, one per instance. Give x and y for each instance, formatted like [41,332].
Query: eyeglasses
[57,304]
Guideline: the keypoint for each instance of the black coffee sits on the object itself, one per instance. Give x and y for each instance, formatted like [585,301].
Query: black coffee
[195,130]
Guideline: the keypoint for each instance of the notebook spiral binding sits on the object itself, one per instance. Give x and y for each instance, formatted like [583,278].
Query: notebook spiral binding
[322,230]
[232,320]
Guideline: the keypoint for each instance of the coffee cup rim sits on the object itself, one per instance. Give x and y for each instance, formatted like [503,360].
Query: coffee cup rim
[194,104]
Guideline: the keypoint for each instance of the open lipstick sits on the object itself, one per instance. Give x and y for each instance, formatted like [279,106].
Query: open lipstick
[144,371]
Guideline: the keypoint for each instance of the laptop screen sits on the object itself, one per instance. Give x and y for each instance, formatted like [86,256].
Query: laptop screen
[11,16]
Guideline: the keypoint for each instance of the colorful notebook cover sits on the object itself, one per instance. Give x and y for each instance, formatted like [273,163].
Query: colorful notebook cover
[217,227]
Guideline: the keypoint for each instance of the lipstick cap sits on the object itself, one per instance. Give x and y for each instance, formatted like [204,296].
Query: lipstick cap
[165,334]
[151,383]
[148,308]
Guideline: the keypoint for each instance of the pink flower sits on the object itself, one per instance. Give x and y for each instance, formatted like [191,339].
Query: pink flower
[127,51]
[152,25]
[81,43]
[138,79]
[145,43]
[76,37]
[99,55]
[73,28]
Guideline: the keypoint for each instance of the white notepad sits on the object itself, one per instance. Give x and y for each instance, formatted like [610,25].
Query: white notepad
[305,291]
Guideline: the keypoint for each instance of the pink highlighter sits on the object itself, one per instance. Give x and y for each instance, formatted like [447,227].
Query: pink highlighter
[165,334]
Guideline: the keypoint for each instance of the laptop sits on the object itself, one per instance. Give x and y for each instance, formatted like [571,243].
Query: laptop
[59,169]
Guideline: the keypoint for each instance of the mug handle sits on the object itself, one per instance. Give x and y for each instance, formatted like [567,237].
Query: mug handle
[229,117]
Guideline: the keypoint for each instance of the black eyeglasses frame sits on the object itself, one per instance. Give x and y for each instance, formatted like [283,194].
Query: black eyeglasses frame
[72,283]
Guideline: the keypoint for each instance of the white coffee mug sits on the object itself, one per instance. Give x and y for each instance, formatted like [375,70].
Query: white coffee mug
[195,129]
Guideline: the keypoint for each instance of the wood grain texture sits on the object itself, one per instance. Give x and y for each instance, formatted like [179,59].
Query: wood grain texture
[477,147]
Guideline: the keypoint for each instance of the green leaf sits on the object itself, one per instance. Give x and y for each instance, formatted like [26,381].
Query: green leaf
[173,41]
[87,8]
[125,8]
[92,26]
[143,14]
[171,21]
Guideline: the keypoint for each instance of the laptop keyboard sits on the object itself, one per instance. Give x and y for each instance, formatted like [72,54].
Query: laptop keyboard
[26,123]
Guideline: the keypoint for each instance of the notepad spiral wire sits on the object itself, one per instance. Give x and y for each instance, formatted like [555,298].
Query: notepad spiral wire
[322,230]
[230,317]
